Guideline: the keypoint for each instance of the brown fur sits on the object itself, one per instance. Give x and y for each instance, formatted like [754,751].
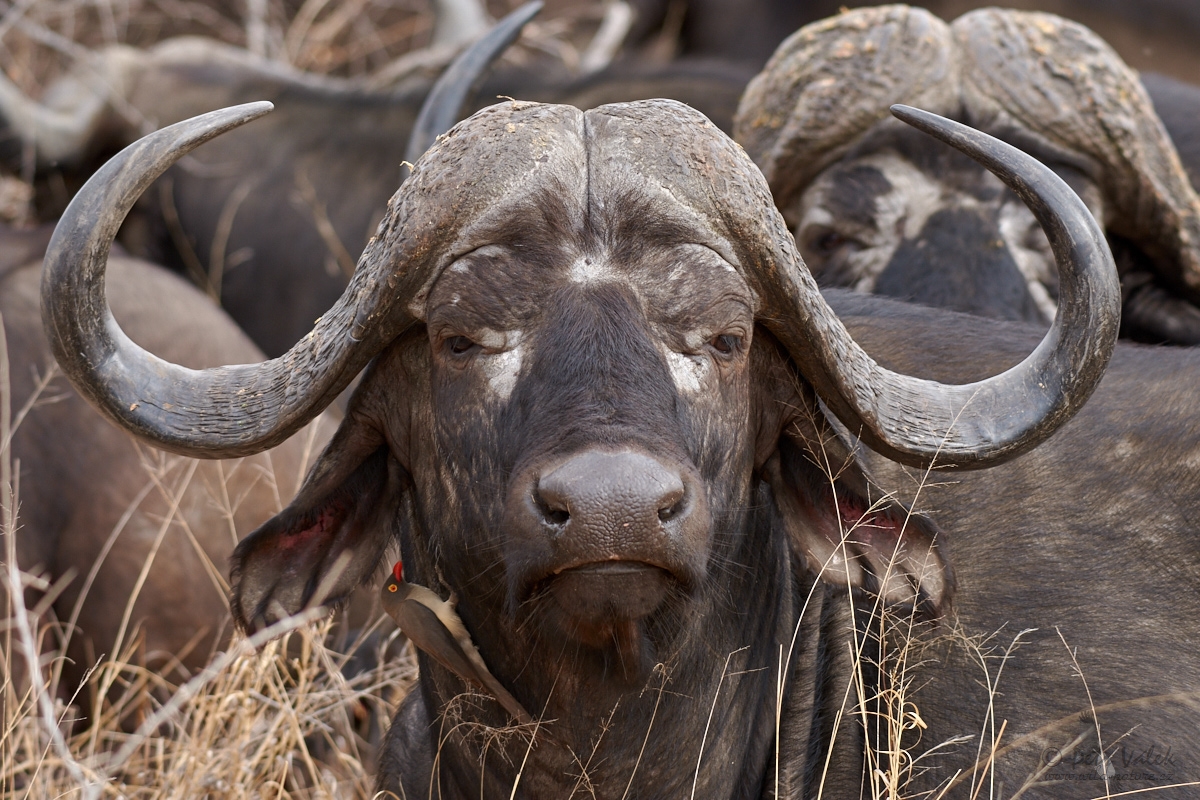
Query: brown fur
[79,476]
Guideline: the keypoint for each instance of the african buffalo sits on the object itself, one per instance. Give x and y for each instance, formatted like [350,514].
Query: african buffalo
[591,413]
[272,218]
[96,508]
[877,208]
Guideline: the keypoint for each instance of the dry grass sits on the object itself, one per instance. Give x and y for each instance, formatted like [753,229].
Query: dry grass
[269,717]
[40,39]
[276,722]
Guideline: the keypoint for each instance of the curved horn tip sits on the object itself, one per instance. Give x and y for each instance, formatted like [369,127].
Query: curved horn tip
[1059,376]
[527,12]
[920,119]
[193,132]
[241,114]
[445,99]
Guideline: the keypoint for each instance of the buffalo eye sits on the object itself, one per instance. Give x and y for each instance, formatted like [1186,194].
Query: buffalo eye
[828,241]
[460,345]
[725,344]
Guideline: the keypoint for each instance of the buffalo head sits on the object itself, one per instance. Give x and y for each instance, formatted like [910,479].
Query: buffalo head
[591,412]
[877,208]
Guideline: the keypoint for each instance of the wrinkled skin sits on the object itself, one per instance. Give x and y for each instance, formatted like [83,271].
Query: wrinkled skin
[592,324]
[79,477]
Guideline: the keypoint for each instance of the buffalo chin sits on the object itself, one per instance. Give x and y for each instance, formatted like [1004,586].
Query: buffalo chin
[603,607]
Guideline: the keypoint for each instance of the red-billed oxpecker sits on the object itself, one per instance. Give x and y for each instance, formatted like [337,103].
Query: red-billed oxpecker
[432,625]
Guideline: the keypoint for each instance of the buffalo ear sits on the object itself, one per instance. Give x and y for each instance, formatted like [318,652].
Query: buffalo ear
[846,537]
[322,546]
[332,536]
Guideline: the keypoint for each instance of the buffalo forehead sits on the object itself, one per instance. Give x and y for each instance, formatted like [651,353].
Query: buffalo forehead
[618,199]
[681,286]
[478,178]
[678,163]
[488,167]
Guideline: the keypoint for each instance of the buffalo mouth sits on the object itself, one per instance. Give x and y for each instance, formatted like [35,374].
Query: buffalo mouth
[599,593]
[603,606]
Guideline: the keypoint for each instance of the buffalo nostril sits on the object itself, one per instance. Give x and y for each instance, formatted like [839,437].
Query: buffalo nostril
[632,493]
[554,509]
[671,507]
[556,516]
[552,504]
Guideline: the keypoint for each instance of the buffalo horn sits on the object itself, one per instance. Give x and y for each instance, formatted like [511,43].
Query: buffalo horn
[1052,83]
[681,158]
[235,410]
[921,422]
[216,413]
[444,101]
[240,410]
[1044,83]
[833,80]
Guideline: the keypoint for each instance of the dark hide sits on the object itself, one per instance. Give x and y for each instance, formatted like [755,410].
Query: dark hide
[582,321]
[929,270]
[1082,535]
[1089,541]
[961,256]
[1152,310]
[1178,106]
[79,476]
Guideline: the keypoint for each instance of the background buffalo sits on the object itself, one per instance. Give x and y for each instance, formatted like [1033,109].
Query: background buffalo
[868,201]
[97,510]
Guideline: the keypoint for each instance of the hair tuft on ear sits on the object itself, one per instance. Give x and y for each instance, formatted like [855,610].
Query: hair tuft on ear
[319,549]
[847,538]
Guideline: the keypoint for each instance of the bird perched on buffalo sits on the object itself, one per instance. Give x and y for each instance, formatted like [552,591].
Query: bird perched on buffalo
[434,627]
